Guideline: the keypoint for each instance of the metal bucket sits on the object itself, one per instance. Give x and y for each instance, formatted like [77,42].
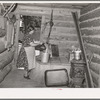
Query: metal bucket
[44,57]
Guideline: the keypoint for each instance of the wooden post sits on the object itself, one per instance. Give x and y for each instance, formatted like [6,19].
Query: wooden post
[16,38]
[42,28]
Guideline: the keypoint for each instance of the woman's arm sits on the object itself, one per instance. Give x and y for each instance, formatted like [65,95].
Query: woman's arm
[33,44]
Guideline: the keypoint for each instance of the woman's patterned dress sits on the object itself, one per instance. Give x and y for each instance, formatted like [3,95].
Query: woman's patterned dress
[22,61]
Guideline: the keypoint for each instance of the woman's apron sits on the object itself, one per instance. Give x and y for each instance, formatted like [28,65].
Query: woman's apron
[30,53]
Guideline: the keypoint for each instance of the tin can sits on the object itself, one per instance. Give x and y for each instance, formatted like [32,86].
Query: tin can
[44,57]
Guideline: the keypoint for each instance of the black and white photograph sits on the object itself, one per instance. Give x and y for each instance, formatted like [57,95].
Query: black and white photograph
[49,45]
[45,45]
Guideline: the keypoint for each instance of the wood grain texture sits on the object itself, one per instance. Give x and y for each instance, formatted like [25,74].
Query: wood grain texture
[62,38]
[93,23]
[89,8]
[95,77]
[95,67]
[96,60]
[43,10]
[87,32]
[90,31]
[60,18]
[92,40]
[94,14]
[61,30]
[93,48]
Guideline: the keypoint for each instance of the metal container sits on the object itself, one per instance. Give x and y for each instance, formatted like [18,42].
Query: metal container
[45,57]
[77,55]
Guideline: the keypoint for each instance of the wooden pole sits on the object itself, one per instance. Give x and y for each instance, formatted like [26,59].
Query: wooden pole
[16,38]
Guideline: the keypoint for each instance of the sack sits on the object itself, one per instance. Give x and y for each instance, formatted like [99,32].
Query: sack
[40,47]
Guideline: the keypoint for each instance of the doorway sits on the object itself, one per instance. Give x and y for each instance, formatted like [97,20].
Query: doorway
[34,21]
[25,37]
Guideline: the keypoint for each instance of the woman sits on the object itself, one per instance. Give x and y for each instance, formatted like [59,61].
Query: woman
[24,59]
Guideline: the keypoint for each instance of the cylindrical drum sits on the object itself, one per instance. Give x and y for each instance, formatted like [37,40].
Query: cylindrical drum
[44,57]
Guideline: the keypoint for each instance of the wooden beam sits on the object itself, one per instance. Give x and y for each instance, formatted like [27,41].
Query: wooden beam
[16,38]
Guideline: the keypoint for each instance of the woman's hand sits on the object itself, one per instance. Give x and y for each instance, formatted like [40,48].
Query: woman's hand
[33,44]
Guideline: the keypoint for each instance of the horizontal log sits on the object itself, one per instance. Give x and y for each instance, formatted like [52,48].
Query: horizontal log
[92,23]
[57,11]
[41,11]
[95,77]
[55,5]
[6,58]
[60,18]
[90,32]
[5,72]
[89,8]
[62,23]
[93,48]
[96,60]
[92,40]
[61,34]
[62,38]
[2,46]
[60,29]
[95,67]
[67,43]
[94,14]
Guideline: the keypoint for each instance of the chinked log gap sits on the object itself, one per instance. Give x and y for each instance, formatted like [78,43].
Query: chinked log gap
[88,74]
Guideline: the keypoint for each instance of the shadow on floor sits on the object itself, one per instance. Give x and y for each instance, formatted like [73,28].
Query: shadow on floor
[15,79]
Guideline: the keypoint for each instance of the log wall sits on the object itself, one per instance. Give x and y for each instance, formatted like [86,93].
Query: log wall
[63,32]
[90,30]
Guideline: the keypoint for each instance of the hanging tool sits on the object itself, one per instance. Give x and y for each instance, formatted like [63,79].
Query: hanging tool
[51,25]
[88,74]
